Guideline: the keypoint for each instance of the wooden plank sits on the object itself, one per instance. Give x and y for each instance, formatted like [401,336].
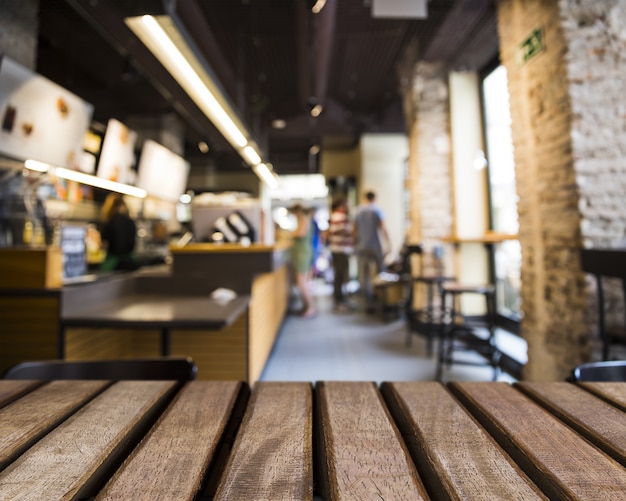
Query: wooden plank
[221,355]
[26,420]
[362,453]
[599,421]
[615,393]
[456,458]
[172,460]
[561,462]
[75,458]
[12,390]
[272,457]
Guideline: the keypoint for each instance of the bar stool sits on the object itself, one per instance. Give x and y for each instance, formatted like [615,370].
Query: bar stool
[461,333]
[425,321]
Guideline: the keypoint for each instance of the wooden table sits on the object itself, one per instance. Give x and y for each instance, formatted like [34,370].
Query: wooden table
[335,440]
[153,311]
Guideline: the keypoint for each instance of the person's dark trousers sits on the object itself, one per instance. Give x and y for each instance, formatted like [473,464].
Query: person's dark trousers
[341,270]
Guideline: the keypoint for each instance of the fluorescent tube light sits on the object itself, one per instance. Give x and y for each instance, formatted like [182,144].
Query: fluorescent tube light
[158,35]
[161,36]
[266,175]
[81,177]
[251,155]
[36,166]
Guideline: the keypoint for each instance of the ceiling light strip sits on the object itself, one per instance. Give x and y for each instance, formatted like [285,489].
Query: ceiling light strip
[160,43]
[167,44]
[81,177]
[266,175]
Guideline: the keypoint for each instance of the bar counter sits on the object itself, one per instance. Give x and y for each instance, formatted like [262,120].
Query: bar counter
[155,311]
[333,440]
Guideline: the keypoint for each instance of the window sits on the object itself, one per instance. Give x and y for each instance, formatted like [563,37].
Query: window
[502,191]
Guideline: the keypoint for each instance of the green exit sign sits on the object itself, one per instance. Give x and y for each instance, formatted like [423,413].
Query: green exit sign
[532,46]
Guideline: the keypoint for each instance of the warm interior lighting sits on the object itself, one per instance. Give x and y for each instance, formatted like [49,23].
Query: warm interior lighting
[266,175]
[319,5]
[203,147]
[36,166]
[168,45]
[279,123]
[316,110]
[81,177]
[163,39]
[251,155]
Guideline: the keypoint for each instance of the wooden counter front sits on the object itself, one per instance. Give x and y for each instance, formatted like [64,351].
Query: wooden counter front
[31,268]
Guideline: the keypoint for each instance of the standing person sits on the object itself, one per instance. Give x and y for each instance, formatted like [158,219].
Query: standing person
[340,244]
[369,226]
[302,257]
[118,233]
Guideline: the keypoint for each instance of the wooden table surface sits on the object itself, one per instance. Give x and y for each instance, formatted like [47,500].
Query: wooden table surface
[154,311]
[132,440]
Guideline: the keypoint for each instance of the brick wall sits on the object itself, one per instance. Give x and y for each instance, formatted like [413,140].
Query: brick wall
[554,299]
[429,180]
[18,30]
[595,33]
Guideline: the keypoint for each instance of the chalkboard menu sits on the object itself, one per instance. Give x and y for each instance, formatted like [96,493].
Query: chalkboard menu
[74,250]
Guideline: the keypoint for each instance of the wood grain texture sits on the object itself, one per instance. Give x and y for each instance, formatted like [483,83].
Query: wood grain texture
[11,390]
[599,421]
[31,268]
[268,305]
[552,454]
[615,393]
[28,328]
[25,421]
[221,355]
[172,460]
[84,445]
[456,458]
[272,455]
[364,455]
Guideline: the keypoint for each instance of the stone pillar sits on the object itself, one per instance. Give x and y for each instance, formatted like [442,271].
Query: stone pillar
[430,184]
[567,111]
[19,28]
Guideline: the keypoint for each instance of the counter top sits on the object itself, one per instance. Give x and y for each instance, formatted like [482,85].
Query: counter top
[158,311]
[209,248]
[488,238]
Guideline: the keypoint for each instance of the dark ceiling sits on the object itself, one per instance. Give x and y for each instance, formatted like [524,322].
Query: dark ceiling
[274,58]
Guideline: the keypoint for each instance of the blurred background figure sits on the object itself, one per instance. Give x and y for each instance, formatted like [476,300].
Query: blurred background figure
[340,244]
[302,257]
[118,233]
[369,229]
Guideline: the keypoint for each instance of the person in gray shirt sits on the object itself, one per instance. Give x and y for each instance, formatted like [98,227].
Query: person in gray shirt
[369,227]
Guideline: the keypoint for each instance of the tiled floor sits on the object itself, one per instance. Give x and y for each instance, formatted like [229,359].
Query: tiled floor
[354,346]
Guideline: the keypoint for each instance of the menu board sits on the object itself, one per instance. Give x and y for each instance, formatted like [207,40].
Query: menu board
[39,119]
[74,250]
[161,172]
[117,155]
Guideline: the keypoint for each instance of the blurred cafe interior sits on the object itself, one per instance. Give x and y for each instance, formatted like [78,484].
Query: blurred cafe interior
[492,132]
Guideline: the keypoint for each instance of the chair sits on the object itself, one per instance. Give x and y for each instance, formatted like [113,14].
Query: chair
[607,263]
[425,320]
[461,333]
[614,370]
[175,369]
